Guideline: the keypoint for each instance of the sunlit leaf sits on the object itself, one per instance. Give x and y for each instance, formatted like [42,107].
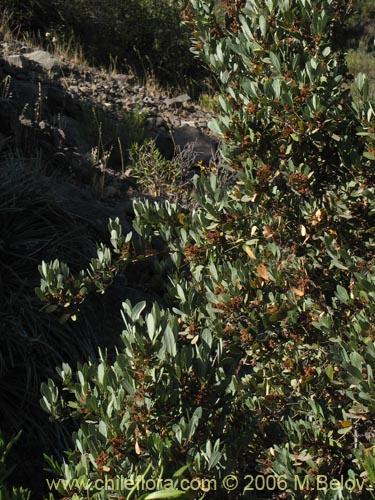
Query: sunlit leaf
[263,272]
[249,252]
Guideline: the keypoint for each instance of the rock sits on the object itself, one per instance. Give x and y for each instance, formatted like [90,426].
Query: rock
[123,78]
[8,116]
[110,192]
[15,60]
[82,168]
[48,101]
[25,122]
[61,101]
[52,135]
[85,89]
[73,134]
[56,96]
[204,147]
[25,49]
[81,203]
[43,60]
[160,122]
[25,93]
[163,141]
[189,123]
[177,101]
[21,76]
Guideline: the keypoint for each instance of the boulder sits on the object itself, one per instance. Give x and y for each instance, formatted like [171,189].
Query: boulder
[169,143]
[15,60]
[74,136]
[61,101]
[163,141]
[26,94]
[204,147]
[177,101]
[42,60]
[81,203]
[8,116]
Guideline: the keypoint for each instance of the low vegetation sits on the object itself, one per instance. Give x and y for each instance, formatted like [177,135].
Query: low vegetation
[146,35]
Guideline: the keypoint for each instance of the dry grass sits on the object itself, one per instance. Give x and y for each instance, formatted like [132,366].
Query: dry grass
[64,49]
[8,33]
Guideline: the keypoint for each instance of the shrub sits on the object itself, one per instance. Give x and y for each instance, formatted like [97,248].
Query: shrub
[261,361]
[360,57]
[361,24]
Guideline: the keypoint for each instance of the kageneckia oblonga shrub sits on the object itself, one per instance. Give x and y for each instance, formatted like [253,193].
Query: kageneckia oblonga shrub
[261,362]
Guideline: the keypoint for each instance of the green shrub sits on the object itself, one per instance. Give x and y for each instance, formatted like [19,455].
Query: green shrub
[361,29]
[360,57]
[261,362]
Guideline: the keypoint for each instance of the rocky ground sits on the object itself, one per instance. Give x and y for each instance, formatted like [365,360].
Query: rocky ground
[55,110]
[71,114]
[52,93]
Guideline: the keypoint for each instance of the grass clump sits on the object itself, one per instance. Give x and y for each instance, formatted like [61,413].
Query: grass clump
[33,227]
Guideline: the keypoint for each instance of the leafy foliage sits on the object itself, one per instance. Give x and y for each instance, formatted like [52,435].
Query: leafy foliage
[262,359]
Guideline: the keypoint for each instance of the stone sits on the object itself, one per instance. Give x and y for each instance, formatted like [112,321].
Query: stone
[25,122]
[15,60]
[163,141]
[124,78]
[21,76]
[204,147]
[81,203]
[61,101]
[74,136]
[43,60]
[26,94]
[8,116]
[177,101]
[160,122]
[52,135]
[189,123]
[25,49]
[110,192]
[56,95]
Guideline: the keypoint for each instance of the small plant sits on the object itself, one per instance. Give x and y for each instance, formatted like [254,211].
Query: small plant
[5,87]
[209,102]
[156,175]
